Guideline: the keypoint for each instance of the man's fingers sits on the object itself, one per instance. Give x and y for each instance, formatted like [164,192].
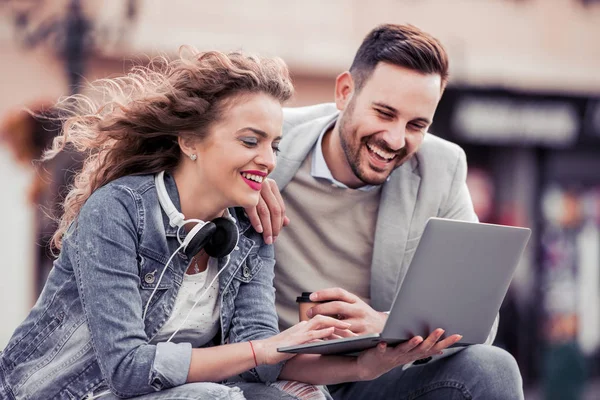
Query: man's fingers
[334,309]
[431,340]
[337,293]
[275,208]
[279,200]
[409,345]
[265,219]
[268,217]
[447,342]
[252,214]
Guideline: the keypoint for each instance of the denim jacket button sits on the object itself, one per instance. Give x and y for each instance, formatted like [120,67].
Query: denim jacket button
[149,278]
[246,272]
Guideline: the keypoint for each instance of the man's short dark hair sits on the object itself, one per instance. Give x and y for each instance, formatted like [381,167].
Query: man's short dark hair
[402,45]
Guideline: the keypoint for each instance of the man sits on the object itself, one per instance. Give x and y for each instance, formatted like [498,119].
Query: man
[359,179]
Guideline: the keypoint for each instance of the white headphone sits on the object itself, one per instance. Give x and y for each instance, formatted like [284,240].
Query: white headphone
[218,237]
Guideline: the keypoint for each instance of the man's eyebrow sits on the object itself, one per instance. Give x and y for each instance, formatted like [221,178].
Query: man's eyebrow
[395,112]
[260,133]
[424,120]
[383,105]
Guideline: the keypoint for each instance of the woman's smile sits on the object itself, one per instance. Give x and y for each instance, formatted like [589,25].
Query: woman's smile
[254,178]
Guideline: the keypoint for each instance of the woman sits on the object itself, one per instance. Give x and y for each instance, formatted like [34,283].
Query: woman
[146,299]
[212,122]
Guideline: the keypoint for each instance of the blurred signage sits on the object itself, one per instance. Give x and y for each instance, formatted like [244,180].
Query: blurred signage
[512,120]
[592,119]
[504,117]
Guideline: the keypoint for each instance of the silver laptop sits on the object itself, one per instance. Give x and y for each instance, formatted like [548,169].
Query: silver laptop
[456,281]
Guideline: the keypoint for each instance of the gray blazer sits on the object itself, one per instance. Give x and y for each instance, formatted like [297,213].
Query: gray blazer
[431,184]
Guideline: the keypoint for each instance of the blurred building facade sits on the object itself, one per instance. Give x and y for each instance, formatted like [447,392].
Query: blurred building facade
[523,100]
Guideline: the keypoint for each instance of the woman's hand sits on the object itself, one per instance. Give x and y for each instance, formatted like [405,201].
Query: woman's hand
[377,361]
[317,328]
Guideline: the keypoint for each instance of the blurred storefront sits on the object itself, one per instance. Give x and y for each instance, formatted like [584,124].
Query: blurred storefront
[534,161]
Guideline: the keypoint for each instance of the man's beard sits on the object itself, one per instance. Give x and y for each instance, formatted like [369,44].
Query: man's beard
[346,132]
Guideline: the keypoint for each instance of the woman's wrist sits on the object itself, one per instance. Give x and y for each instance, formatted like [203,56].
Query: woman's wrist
[253,353]
[259,348]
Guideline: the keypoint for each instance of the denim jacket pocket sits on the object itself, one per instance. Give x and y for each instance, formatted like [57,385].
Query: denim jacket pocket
[249,269]
[151,267]
[243,275]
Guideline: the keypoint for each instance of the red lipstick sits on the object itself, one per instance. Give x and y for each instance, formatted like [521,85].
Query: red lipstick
[253,184]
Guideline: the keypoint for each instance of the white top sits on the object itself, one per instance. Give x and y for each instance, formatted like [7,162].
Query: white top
[203,322]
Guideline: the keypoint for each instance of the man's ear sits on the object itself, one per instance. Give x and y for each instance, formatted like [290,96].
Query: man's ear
[187,145]
[344,90]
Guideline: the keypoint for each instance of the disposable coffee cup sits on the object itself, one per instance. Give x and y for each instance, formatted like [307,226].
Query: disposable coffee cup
[304,303]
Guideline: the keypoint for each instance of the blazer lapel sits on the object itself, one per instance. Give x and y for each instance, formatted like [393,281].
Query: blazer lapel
[295,146]
[396,210]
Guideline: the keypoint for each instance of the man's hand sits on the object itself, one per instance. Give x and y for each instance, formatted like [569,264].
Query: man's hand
[375,362]
[268,217]
[344,305]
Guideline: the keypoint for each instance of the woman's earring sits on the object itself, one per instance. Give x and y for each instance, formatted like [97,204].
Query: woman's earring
[193,157]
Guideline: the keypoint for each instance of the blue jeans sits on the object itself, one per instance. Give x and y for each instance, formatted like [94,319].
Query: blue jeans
[280,390]
[477,372]
[215,391]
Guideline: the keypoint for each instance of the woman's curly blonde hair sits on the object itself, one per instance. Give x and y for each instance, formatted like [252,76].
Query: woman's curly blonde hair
[130,125]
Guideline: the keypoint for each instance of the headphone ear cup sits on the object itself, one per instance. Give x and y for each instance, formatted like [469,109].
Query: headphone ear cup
[198,238]
[223,239]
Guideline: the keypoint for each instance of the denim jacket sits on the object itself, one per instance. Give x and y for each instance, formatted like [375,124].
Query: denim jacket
[86,332]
